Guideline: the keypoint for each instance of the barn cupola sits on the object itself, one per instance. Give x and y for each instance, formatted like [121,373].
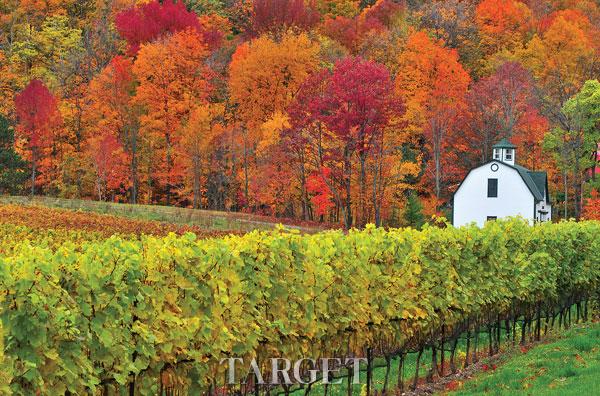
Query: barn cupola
[504,151]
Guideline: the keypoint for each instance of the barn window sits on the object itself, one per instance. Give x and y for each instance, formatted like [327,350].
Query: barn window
[492,188]
[497,154]
[509,154]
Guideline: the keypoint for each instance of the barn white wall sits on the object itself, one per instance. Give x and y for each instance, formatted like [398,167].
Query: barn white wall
[471,203]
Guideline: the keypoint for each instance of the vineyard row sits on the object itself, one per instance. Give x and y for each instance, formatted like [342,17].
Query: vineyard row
[157,314]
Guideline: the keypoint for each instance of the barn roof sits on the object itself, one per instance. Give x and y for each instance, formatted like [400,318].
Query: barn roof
[540,179]
[536,182]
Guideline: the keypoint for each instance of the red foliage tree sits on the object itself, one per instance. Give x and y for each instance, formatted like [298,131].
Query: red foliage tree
[275,16]
[38,114]
[356,107]
[110,164]
[306,132]
[351,32]
[529,136]
[357,99]
[591,209]
[384,11]
[498,107]
[150,21]
[322,198]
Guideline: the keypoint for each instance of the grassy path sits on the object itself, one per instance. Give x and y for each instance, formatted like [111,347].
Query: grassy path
[568,366]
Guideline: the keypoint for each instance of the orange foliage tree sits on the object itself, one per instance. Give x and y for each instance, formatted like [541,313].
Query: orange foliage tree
[562,58]
[433,84]
[198,137]
[503,24]
[173,79]
[111,108]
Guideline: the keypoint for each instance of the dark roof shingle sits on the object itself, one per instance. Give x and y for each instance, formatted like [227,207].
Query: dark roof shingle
[536,181]
[504,143]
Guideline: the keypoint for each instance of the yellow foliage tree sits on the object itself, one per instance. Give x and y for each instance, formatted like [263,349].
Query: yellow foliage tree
[561,59]
[264,77]
[197,142]
[333,8]
[265,74]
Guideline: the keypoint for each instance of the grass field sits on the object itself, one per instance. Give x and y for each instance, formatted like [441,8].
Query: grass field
[206,219]
[568,366]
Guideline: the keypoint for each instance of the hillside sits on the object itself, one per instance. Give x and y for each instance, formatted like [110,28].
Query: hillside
[205,220]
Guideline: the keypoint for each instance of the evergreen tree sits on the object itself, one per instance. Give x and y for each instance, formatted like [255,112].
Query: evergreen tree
[13,169]
[413,212]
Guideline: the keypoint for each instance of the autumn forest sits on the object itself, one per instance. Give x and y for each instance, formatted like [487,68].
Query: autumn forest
[339,111]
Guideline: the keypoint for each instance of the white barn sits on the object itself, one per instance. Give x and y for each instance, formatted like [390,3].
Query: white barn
[501,188]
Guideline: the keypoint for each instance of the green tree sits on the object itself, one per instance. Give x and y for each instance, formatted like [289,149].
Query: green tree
[13,169]
[46,53]
[413,212]
[574,148]
[584,109]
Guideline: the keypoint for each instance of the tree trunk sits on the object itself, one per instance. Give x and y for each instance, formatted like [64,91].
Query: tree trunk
[388,366]
[305,205]
[437,132]
[197,172]
[33,169]
[475,344]
[491,337]
[169,168]
[134,170]
[522,342]
[468,347]
[347,182]
[362,216]
[376,208]
[453,356]
[566,193]
[577,188]
[246,169]
[369,370]
[442,352]
[377,175]
[433,368]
